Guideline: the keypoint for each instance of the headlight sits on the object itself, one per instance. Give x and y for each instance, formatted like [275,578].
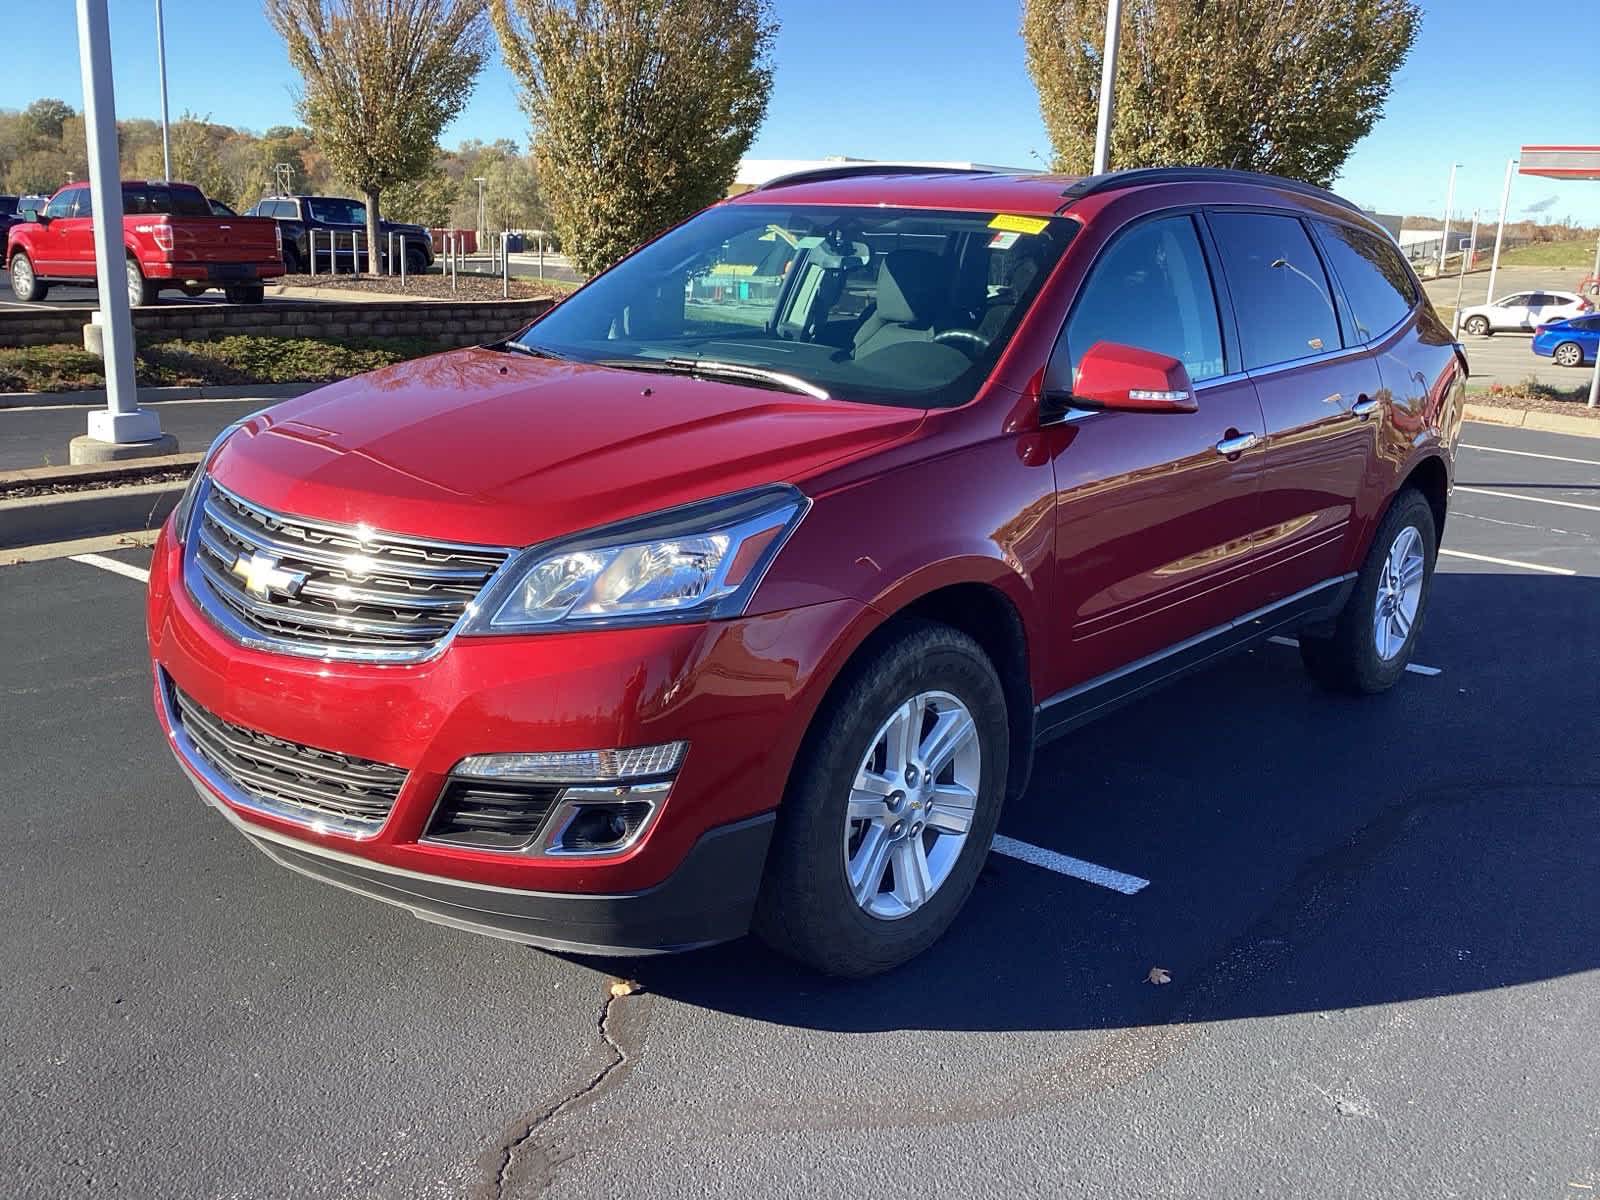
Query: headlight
[184,512]
[693,563]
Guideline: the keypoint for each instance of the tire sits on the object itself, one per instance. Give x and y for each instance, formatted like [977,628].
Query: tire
[807,909]
[1568,354]
[25,284]
[245,293]
[291,261]
[139,290]
[1477,326]
[416,262]
[1351,660]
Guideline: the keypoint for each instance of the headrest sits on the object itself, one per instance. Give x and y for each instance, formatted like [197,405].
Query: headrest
[911,286]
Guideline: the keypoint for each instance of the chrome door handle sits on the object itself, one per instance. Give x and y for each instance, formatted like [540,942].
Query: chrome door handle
[1364,407]
[1228,447]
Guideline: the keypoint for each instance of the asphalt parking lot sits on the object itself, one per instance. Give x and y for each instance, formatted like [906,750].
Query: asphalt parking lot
[64,296]
[1381,920]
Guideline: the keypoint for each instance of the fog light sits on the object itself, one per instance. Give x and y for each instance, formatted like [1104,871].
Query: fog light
[603,820]
[576,766]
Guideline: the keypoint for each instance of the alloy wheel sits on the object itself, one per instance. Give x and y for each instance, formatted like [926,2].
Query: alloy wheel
[135,284]
[912,805]
[1568,354]
[1399,594]
[21,276]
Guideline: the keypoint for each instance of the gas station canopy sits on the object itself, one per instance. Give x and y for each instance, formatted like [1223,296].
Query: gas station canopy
[1560,162]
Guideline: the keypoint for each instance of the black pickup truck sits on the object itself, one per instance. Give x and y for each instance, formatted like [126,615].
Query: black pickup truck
[299,216]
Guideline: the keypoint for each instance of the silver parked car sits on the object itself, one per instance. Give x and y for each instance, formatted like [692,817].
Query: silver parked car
[1523,310]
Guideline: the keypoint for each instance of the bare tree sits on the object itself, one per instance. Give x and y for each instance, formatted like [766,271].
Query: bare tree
[382,79]
[641,109]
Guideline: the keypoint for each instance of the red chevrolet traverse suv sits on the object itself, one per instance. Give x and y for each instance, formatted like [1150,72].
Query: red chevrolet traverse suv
[738,590]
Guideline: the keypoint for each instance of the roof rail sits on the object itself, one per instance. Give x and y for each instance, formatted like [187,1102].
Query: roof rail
[1092,185]
[851,170]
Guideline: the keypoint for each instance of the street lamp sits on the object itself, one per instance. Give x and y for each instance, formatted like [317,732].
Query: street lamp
[1449,202]
[1500,230]
[161,66]
[1108,87]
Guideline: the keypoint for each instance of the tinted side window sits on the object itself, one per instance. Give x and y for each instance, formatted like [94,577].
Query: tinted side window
[1151,289]
[1280,291]
[85,203]
[1375,281]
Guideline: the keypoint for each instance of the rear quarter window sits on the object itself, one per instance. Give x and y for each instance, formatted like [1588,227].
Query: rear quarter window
[1377,286]
[1281,294]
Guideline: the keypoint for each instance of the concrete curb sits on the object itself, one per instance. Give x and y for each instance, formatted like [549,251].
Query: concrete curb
[156,395]
[34,519]
[129,469]
[1522,418]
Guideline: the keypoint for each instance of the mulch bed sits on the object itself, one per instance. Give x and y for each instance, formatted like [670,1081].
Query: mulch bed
[434,287]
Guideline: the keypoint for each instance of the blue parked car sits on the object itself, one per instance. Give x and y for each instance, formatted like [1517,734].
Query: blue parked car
[1571,343]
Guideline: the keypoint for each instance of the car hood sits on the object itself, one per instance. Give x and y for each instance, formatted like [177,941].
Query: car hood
[494,448]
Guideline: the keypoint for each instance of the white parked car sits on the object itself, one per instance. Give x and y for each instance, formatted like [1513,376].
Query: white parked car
[1523,310]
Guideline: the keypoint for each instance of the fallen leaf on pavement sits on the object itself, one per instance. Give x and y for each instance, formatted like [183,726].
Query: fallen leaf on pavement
[1158,975]
[623,987]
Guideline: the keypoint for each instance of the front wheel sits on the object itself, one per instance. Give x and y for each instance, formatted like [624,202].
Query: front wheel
[1569,354]
[1478,326]
[1374,633]
[891,808]
[245,293]
[25,284]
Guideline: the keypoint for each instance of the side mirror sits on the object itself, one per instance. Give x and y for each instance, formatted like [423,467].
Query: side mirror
[33,216]
[1122,378]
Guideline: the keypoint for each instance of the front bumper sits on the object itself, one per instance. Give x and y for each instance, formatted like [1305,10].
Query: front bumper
[741,693]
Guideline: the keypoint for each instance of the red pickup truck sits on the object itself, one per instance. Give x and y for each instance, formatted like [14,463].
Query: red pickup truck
[171,237]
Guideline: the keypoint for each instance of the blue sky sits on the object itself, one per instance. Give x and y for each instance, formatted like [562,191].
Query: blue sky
[918,79]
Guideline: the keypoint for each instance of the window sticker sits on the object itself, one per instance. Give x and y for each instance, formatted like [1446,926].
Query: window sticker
[1016,224]
[1004,240]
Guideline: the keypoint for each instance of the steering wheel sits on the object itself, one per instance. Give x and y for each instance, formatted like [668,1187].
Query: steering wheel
[978,343]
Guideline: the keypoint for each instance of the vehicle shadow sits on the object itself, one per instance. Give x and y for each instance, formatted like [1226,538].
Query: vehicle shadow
[1306,852]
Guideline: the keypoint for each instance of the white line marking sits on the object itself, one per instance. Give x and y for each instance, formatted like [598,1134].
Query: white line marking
[1063,864]
[1414,668]
[115,566]
[1477,491]
[1583,462]
[1509,562]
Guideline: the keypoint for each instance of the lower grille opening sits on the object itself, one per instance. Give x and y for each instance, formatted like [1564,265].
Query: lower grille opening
[491,816]
[288,779]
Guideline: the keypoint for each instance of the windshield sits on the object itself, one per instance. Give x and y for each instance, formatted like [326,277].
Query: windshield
[894,306]
[338,212]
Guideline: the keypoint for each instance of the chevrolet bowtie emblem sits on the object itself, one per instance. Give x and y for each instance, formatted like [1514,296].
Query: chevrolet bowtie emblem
[262,576]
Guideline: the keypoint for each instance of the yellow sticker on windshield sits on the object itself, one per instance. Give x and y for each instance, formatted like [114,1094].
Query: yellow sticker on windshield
[1016,224]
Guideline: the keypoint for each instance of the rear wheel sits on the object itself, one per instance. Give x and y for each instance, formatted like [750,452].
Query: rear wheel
[1569,354]
[1375,632]
[416,261]
[1478,326]
[245,293]
[25,284]
[139,290]
[891,809]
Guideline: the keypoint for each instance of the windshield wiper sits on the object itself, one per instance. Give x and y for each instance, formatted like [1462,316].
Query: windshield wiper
[712,369]
[522,348]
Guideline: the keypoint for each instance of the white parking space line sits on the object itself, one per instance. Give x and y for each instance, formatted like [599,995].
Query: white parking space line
[1499,495]
[115,566]
[1065,864]
[1508,562]
[1414,668]
[1582,462]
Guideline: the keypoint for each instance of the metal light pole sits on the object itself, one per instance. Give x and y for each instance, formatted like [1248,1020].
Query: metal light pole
[1500,232]
[1449,203]
[161,66]
[1108,87]
[122,421]
[1461,279]
[480,181]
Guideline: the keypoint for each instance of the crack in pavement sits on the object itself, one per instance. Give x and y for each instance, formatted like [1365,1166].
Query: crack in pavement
[511,1168]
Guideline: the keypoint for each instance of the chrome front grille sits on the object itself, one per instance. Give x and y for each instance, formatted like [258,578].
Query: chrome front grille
[339,591]
[295,782]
